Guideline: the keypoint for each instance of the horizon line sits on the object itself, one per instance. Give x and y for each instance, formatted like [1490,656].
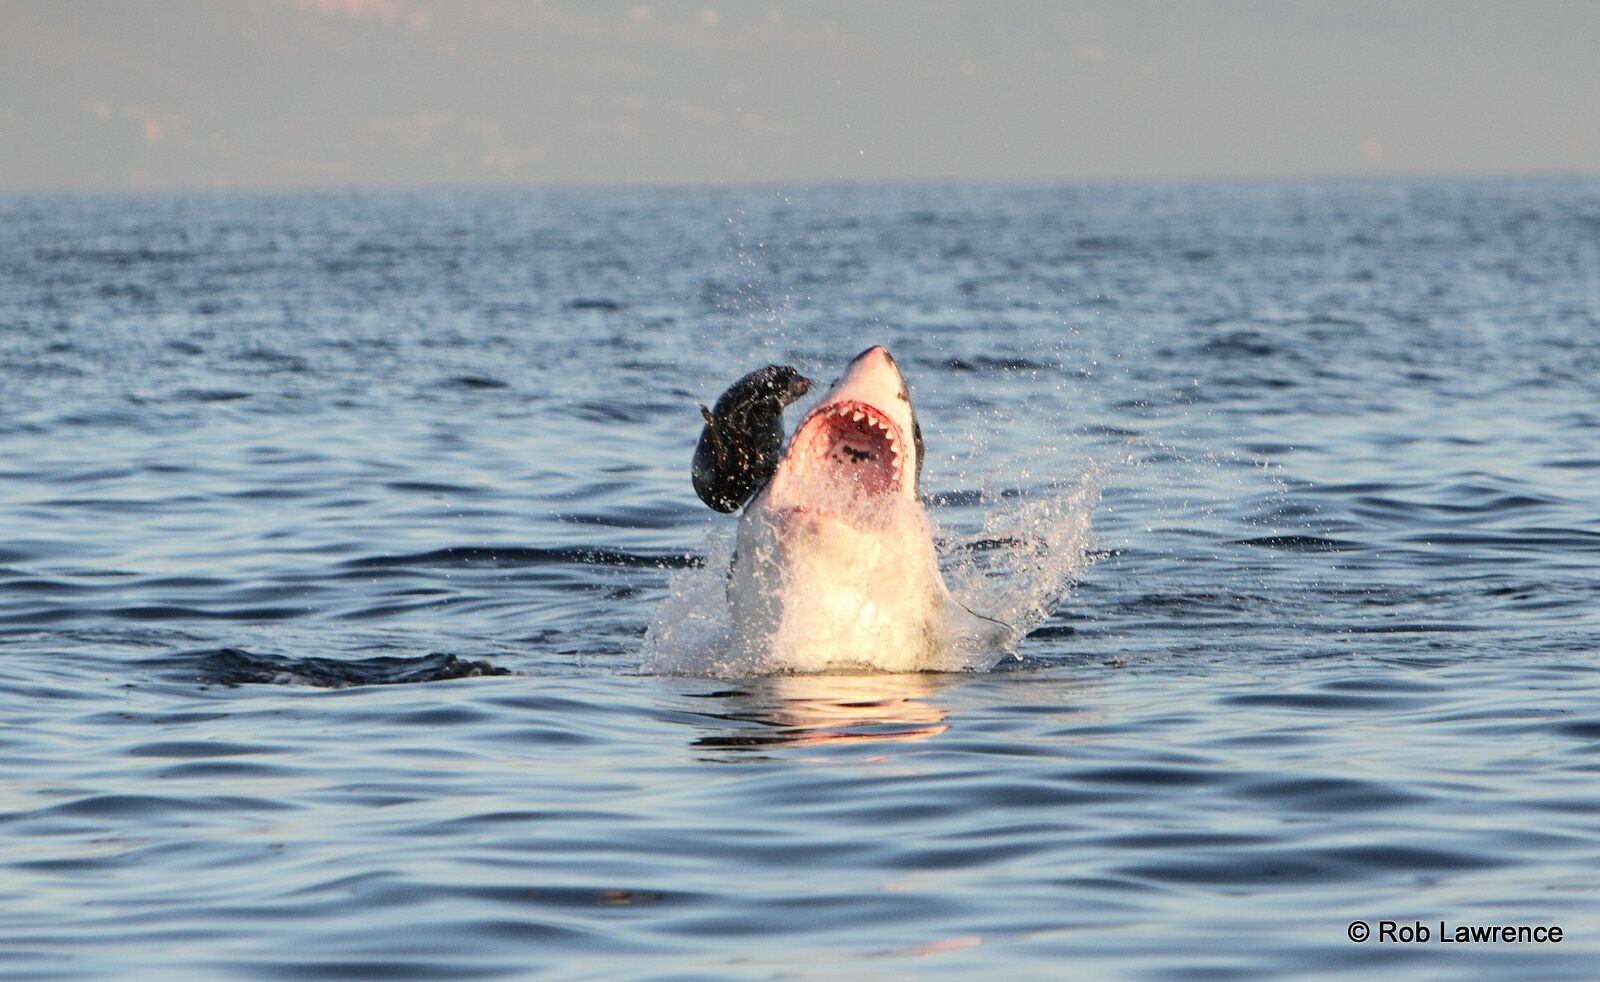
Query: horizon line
[1331,177]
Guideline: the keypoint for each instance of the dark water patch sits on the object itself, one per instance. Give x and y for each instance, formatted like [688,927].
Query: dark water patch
[604,412]
[113,257]
[1253,382]
[1048,631]
[235,666]
[1307,867]
[1141,776]
[1102,429]
[1540,540]
[370,969]
[1200,601]
[1103,243]
[43,587]
[198,749]
[150,807]
[1579,729]
[174,612]
[1253,344]
[972,497]
[595,303]
[270,494]
[1300,543]
[989,363]
[446,715]
[476,382]
[517,556]
[1322,702]
[275,361]
[211,395]
[1183,840]
[1329,795]
[434,488]
[1272,449]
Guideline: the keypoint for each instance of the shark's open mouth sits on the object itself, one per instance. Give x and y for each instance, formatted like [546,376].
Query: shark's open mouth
[852,440]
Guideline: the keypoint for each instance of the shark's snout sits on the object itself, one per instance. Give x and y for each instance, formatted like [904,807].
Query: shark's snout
[874,357]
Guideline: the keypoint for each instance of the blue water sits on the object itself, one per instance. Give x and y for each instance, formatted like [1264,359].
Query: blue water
[1328,653]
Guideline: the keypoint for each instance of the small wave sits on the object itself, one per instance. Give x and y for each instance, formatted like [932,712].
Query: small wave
[987,363]
[1299,543]
[1252,344]
[476,382]
[235,666]
[210,395]
[432,487]
[527,556]
[114,257]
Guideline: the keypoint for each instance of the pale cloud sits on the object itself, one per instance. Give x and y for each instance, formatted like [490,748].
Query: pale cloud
[508,162]
[642,13]
[432,130]
[774,17]
[154,125]
[414,129]
[1090,54]
[709,17]
[387,12]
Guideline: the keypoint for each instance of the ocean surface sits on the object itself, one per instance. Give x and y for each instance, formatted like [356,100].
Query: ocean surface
[339,530]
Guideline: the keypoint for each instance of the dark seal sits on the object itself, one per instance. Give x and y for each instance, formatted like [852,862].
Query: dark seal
[742,440]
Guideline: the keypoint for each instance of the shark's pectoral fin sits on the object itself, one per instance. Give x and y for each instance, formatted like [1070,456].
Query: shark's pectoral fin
[969,631]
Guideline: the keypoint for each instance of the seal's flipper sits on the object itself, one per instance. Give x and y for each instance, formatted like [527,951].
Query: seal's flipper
[742,440]
[718,455]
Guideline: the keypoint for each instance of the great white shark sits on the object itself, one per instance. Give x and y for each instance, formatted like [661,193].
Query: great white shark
[834,564]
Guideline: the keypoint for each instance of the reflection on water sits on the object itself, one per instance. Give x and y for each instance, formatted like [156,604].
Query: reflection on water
[812,709]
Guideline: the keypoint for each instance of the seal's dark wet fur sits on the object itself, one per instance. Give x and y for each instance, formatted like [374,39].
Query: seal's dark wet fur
[742,440]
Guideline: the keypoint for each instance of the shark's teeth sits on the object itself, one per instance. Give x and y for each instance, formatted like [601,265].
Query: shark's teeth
[876,424]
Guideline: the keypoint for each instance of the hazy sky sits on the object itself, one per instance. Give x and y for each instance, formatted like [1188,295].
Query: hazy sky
[205,93]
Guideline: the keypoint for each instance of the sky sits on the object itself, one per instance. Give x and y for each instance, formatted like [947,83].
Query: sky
[169,94]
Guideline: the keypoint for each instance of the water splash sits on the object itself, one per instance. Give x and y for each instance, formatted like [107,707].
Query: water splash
[1020,567]
[1016,569]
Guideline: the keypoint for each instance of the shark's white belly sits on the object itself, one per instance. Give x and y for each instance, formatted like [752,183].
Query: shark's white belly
[810,591]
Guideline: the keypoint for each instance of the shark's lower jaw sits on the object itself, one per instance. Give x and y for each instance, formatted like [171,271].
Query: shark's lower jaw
[852,444]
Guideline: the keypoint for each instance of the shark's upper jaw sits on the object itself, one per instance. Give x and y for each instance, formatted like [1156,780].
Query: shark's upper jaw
[861,440]
[853,441]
